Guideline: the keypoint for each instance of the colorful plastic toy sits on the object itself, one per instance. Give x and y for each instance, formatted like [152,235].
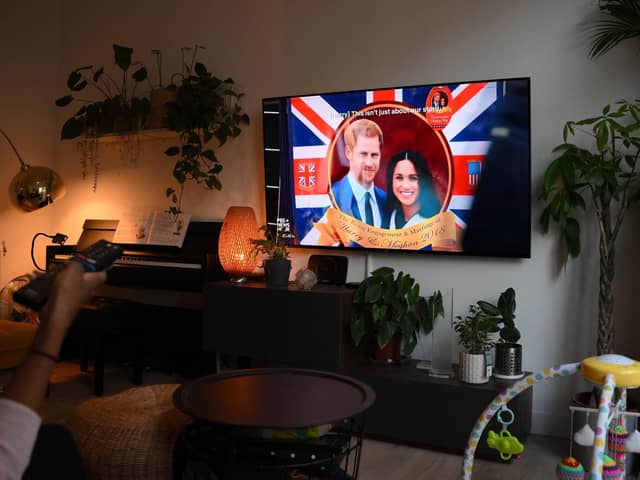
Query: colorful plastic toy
[609,371]
[504,442]
[570,469]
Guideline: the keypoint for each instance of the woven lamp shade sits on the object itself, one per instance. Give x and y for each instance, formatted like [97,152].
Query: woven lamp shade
[234,244]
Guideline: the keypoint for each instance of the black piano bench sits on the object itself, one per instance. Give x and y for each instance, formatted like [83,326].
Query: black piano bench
[101,321]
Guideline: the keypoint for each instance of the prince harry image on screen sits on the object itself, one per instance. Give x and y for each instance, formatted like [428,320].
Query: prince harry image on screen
[355,194]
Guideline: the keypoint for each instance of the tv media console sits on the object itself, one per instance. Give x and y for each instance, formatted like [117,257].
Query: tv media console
[310,329]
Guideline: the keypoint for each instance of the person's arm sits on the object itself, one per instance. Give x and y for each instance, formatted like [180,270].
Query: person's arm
[71,289]
[19,422]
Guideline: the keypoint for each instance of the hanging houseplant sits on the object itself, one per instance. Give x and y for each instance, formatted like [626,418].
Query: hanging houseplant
[205,109]
[118,110]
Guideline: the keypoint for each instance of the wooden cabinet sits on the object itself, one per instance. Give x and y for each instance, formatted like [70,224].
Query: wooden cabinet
[309,329]
[288,327]
[413,408]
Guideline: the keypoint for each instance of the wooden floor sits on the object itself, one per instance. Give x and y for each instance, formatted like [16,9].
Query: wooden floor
[385,461]
[380,461]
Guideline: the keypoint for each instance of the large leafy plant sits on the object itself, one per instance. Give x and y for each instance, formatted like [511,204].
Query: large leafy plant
[206,108]
[385,305]
[619,20]
[602,179]
[119,109]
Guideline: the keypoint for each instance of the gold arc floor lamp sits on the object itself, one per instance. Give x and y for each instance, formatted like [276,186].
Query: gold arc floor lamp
[235,248]
[33,187]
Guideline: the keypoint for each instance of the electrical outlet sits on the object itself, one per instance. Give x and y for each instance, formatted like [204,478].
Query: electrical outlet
[4,249]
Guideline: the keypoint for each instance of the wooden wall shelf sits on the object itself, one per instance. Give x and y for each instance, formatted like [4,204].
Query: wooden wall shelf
[151,134]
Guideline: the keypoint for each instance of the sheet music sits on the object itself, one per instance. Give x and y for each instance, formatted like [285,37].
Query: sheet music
[134,227]
[152,228]
[168,229]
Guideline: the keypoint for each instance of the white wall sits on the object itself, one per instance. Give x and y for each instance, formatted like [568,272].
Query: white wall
[284,47]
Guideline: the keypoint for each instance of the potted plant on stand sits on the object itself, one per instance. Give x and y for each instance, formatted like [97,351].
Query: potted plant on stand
[390,313]
[474,332]
[508,359]
[277,265]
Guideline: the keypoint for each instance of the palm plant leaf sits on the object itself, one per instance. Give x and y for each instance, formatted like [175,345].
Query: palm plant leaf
[620,21]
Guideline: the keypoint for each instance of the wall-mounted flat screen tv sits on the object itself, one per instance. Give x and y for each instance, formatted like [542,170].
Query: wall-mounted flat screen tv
[441,168]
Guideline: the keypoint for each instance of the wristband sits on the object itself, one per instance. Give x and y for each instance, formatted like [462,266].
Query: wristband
[48,355]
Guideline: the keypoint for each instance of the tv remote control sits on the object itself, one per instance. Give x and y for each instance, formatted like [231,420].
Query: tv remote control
[94,258]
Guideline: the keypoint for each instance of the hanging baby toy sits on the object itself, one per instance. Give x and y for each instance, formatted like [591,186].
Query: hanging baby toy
[608,371]
[504,442]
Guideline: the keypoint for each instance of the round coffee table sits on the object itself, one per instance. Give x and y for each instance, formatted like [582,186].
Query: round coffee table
[276,423]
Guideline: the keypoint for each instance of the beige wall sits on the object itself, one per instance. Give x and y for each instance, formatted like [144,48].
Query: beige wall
[30,49]
[283,47]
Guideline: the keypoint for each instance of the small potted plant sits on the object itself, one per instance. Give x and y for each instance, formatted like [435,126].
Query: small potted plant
[508,359]
[277,265]
[389,311]
[474,332]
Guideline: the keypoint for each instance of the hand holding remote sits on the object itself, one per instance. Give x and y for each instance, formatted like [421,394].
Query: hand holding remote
[70,290]
[96,257]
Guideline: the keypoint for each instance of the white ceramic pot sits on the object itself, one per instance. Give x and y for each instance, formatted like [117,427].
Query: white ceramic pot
[473,368]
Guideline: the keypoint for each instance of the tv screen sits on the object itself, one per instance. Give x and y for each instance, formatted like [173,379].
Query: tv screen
[431,168]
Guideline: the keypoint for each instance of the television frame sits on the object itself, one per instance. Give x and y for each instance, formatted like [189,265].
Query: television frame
[279,163]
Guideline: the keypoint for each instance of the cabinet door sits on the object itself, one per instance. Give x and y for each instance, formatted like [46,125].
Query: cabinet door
[279,326]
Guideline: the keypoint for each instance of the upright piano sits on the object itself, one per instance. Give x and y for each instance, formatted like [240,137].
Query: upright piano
[153,292]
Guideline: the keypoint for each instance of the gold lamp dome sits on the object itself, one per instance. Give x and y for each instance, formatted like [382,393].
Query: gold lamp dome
[34,187]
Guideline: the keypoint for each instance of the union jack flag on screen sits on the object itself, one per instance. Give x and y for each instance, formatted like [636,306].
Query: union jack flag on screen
[314,121]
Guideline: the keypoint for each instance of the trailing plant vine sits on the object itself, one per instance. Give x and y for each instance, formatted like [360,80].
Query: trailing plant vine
[206,108]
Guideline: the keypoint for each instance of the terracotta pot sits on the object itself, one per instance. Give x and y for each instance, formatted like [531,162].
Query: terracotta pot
[390,352]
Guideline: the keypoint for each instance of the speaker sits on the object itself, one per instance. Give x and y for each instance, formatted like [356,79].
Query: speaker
[330,269]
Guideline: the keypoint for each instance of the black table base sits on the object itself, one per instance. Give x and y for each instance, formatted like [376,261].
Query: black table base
[218,452]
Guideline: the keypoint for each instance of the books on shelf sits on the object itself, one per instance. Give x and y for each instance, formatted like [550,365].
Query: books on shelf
[152,228]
